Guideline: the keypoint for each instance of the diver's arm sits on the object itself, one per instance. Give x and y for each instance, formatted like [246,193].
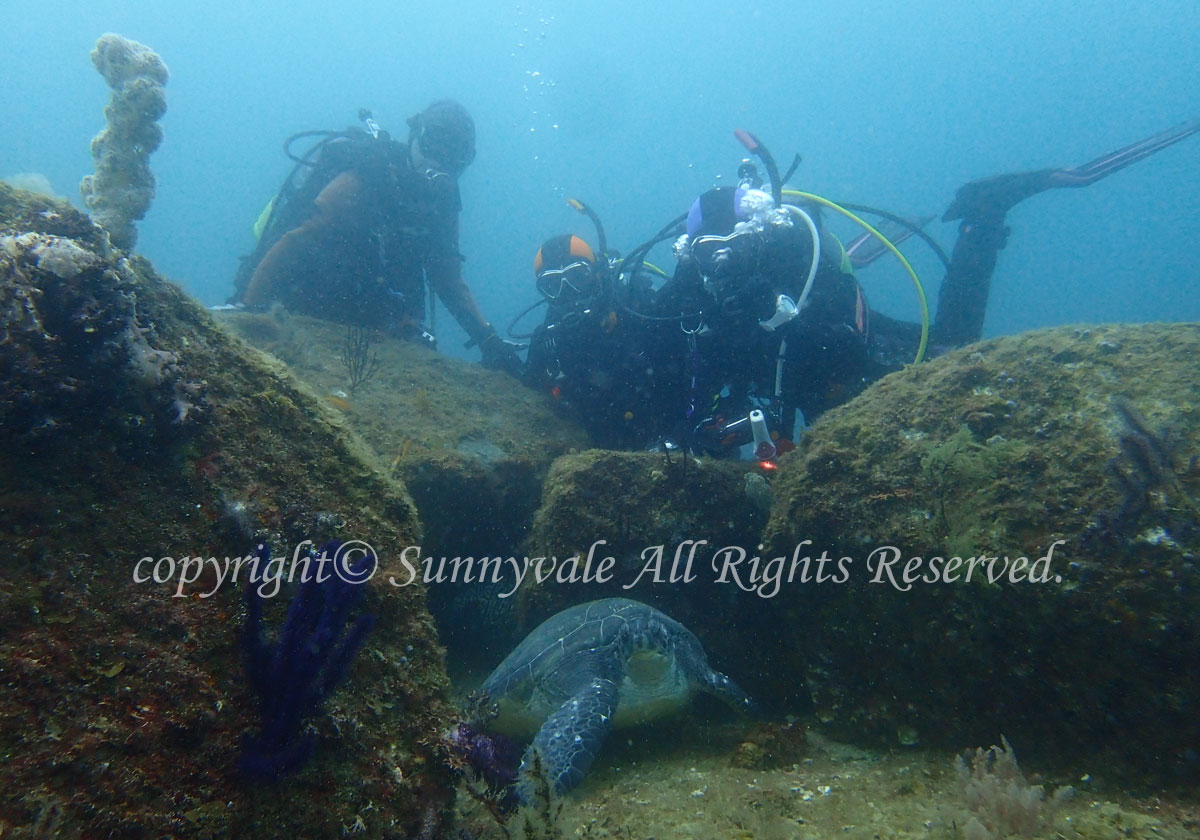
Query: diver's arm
[446,279]
[453,291]
[287,257]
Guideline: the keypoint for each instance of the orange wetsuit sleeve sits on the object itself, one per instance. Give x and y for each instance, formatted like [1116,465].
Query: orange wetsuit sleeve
[336,205]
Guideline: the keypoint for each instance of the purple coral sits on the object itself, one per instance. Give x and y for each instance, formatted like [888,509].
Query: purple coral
[492,757]
[294,676]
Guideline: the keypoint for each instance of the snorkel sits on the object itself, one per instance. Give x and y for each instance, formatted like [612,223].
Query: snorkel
[756,148]
[601,240]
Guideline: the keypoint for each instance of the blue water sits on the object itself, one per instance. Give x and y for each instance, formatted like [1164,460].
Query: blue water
[631,107]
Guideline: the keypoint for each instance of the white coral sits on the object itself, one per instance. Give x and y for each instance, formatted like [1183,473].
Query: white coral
[62,257]
[1001,801]
[121,190]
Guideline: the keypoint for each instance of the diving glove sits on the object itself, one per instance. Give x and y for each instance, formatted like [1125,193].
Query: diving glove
[499,354]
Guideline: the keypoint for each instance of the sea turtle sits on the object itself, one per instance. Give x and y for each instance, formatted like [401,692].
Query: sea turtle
[606,663]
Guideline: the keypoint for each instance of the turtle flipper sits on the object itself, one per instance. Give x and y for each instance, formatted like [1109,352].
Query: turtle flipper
[568,741]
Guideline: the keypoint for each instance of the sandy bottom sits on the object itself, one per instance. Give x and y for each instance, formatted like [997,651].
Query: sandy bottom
[660,785]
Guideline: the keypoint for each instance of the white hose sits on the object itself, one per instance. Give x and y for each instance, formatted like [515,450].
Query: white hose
[808,283]
[816,255]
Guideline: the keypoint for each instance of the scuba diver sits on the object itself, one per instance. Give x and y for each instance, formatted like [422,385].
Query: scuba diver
[773,316]
[366,225]
[589,355]
[754,291]
[769,312]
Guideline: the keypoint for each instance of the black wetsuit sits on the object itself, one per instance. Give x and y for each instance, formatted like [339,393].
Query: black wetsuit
[823,349]
[603,366]
[373,240]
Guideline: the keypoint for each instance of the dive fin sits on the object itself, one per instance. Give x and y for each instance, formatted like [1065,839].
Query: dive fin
[1106,165]
[866,248]
[989,199]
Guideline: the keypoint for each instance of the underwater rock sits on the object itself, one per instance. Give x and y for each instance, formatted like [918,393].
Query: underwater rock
[1079,445]
[471,445]
[772,745]
[78,351]
[653,511]
[462,437]
[126,700]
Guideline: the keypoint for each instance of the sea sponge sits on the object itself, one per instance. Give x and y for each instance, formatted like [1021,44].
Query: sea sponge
[121,190]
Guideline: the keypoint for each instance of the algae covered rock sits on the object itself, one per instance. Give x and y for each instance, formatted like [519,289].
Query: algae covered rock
[472,445]
[1077,446]
[662,519]
[132,429]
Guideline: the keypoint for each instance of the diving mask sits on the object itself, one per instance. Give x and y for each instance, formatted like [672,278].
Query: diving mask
[441,151]
[716,256]
[575,280]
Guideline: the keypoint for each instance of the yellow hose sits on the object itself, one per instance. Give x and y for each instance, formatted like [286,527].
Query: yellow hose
[655,269]
[824,202]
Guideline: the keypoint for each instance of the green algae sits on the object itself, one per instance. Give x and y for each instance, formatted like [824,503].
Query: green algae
[1012,447]
[132,426]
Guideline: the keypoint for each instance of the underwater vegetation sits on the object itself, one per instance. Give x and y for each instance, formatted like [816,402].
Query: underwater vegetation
[488,764]
[1076,444]
[1147,471]
[360,362]
[1000,801]
[294,676]
[494,758]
